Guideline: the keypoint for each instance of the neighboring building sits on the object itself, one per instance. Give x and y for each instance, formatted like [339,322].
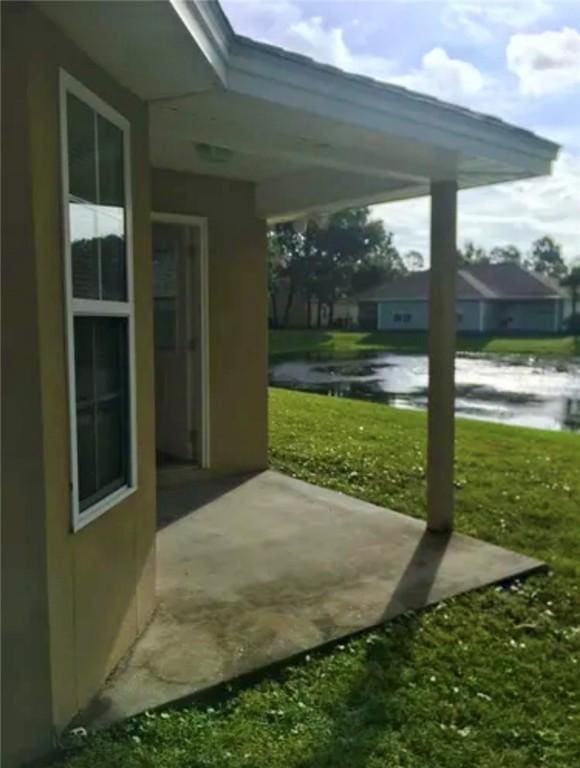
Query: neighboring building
[300,315]
[491,298]
[145,146]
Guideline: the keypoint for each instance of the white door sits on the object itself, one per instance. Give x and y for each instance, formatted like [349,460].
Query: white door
[173,295]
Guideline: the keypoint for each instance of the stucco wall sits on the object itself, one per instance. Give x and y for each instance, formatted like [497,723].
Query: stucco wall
[237,311]
[26,685]
[100,581]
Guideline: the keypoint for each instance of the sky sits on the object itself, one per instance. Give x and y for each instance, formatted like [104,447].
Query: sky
[516,59]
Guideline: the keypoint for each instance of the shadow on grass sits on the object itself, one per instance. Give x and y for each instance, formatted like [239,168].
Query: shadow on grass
[405,341]
[284,341]
[375,705]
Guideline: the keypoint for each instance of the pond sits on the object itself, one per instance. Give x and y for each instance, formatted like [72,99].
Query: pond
[529,392]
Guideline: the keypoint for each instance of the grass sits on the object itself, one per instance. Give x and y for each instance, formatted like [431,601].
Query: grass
[293,341]
[486,680]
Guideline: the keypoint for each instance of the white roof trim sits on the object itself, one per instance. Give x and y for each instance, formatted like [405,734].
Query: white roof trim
[211,31]
[263,71]
[479,286]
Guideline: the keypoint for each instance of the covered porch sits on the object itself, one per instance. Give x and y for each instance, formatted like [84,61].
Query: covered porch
[256,569]
[242,134]
[259,568]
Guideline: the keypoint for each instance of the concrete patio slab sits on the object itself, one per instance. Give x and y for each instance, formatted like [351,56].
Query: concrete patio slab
[257,569]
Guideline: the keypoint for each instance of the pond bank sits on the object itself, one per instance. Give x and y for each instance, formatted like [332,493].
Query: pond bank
[290,341]
[527,391]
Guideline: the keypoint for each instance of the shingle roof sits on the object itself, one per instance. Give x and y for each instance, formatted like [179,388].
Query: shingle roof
[478,281]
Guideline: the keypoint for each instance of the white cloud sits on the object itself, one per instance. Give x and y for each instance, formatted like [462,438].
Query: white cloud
[512,213]
[444,77]
[547,62]
[515,213]
[481,20]
[311,37]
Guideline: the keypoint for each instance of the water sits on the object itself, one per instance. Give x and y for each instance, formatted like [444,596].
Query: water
[529,392]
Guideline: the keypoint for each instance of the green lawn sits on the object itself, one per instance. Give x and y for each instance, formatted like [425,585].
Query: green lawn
[487,680]
[292,341]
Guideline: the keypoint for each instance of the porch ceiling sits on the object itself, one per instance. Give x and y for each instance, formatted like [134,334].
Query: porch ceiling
[310,136]
[255,570]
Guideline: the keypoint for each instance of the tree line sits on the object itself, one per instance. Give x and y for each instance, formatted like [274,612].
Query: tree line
[347,253]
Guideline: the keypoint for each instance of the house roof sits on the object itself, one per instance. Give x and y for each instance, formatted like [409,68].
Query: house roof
[478,281]
[311,137]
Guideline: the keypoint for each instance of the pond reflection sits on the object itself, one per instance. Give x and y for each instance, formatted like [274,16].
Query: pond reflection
[529,392]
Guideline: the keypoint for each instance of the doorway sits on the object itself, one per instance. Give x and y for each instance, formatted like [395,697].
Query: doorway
[180,291]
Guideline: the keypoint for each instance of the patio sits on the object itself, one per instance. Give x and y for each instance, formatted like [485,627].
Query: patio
[255,569]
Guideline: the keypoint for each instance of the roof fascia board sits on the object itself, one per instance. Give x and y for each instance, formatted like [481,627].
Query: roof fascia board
[261,71]
[211,31]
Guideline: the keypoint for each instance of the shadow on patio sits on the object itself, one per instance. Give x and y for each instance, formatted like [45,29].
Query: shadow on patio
[258,569]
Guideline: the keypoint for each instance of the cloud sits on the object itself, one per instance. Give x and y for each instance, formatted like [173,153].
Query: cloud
[545,63]
[517,213]
[480,20]
[444,77]
[313,38]
[286,25]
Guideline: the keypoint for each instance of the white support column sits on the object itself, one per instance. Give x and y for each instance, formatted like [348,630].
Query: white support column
[442,325]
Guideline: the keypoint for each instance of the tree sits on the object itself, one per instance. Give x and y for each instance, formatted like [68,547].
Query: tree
[472,254]
[287,254]
[414,261]
[546,258]
[506,254]
[338,256]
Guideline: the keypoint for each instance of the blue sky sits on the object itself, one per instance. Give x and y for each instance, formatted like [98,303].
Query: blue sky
[517,59]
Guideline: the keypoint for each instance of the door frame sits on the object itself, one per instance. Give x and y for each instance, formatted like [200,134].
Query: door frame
[201,223]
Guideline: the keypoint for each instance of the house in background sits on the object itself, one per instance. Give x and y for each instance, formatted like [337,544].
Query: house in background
[490,298]
[305,312]
[145,146]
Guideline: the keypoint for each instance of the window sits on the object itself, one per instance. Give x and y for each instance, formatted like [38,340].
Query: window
[404,317]
[98,268]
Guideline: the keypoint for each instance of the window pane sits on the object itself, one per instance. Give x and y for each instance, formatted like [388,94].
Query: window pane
[86,452]
[111,171]
[84,360]
[81,150]
[111,422]
[109,356]
[112,240]
[84,250]
[101,370]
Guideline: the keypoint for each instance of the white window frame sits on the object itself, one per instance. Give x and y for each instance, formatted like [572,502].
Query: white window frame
[94,307]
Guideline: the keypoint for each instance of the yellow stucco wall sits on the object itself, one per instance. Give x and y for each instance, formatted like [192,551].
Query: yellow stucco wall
[237,311]
[26,684]
[93,591]
[100,581]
